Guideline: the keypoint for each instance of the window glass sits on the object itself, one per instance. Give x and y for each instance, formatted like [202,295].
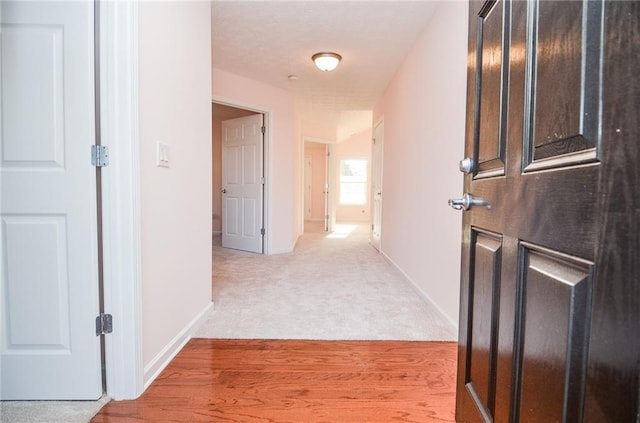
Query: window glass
[353,181]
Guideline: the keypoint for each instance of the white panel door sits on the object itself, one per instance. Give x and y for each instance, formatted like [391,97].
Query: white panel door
[376,185]
[242,183]
[48,230]
[330,192]
[308,183]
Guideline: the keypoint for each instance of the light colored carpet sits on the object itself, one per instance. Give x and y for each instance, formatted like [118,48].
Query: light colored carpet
[50,411]
[333,287]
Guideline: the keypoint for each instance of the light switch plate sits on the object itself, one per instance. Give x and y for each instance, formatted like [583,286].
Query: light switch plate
[162,155]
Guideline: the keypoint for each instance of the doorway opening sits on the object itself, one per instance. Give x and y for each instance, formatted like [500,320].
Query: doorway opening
[319,196]
[319,185]
[239,177]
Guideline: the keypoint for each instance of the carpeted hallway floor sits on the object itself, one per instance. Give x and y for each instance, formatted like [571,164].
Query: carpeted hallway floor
[332,287]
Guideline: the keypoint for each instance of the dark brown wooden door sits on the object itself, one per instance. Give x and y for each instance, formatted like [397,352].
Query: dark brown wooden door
[550,285]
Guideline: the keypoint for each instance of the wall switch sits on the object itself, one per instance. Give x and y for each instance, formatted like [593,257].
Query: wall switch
[163,155]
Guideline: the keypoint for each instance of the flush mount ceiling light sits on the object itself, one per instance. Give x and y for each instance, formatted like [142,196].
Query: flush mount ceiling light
[326,61]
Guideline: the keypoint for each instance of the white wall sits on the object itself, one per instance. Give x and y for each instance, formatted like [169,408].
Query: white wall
[424,117]
[174,108]
[284,208]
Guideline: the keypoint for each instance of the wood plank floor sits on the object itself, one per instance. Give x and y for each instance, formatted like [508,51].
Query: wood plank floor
[299,382]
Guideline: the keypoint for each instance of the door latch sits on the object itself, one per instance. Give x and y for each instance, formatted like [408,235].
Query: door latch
[467,201]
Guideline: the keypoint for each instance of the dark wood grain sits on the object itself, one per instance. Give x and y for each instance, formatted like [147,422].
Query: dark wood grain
[566,345]
[557,53]
[248,381]
[491,106]
[613,378]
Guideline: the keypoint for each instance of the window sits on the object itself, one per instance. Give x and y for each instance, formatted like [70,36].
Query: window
[353,181]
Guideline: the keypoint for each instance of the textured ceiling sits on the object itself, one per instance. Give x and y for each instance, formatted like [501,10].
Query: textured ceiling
[269,40]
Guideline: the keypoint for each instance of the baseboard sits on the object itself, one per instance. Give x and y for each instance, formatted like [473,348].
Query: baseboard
[281,251]
[157,365]
[419,291]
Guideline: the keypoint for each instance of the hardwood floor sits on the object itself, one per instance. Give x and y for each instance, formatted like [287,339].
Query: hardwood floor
[299,382]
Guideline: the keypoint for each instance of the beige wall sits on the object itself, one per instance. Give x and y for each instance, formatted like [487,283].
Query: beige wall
[175,109]
[424,118]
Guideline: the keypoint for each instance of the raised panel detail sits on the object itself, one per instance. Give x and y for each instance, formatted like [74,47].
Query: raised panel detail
[231,216]
[32,112]
[556,298]
[250,210]
[35,283]
[231,172]
[484,309]
[249,158]
[492,54]
[564,83]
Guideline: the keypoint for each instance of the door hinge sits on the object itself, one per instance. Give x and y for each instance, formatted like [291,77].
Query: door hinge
[99,155]
[372,226]
[262,181]
[104,324]
[262,231]
[263,129]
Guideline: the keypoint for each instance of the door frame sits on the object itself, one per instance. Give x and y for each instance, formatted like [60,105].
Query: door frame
[122,289]
[121,215]
[330,178]
[266,161]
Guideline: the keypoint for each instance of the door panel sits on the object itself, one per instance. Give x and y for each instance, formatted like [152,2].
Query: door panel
[25,144]
[564,87]
[538,283]
[36,239]
[48,223]
[483,318]
[556,292]
[242,170]
[491,143]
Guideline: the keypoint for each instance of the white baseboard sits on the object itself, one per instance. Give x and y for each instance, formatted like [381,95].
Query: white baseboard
[281,251]
[420,292]
[157,365]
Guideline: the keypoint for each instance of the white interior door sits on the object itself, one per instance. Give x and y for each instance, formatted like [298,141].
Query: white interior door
[330,217]
[376,185]
[308,190]
[242,183]
[48,230]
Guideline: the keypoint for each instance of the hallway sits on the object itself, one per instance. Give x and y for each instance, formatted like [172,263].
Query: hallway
[332,287]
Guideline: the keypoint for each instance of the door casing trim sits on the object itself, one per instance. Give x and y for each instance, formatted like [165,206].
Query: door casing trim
[121,198]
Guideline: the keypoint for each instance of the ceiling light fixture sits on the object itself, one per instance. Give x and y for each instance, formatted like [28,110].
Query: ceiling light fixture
[326,61]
